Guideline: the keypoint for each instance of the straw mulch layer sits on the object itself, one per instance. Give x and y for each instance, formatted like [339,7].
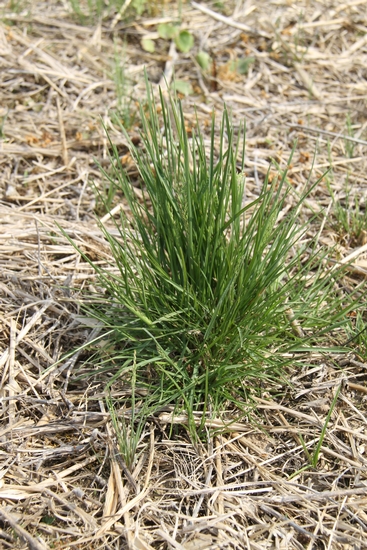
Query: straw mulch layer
[63,483]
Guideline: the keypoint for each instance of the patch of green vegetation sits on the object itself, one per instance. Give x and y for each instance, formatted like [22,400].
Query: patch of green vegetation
[90,11]
[215,297]
[350,218]
[129,426]
[126,111]
[293,49]
[204,60]
[313,457]
[104,197]
[124,114]
[349,145]
[349,212]
[14,7]
[49,520]
[357,332]
[183,87]
[183,39]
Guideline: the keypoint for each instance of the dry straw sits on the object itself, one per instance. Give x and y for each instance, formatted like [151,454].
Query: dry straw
[61,478]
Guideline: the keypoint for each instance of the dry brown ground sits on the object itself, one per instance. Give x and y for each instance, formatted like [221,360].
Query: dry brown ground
[61,485]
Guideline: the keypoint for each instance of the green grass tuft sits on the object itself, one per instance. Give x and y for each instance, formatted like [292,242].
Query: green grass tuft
[214,295]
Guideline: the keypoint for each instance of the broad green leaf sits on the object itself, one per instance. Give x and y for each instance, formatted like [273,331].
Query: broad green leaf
[184,41]
[183,87]
[148,45]
[139,6]
[167,31]
[204,60]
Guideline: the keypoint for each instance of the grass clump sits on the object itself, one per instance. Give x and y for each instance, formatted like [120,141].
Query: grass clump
[350,219]
[212,293]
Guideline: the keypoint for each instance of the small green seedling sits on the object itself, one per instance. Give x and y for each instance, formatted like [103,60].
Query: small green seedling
[204,60]
[349,217]
[183,39]
[314,457]
[125,104]
[129,428]
[183,87]
[242,65]
[89,11]
[349,145]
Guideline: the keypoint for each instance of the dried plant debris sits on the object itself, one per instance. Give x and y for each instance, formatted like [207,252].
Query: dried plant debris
[294,474]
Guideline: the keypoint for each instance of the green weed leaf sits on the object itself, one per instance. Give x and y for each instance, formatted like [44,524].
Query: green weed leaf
[139,6]
[184,41]
[167,31]
[183,87]
[148,45]
[204,60]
